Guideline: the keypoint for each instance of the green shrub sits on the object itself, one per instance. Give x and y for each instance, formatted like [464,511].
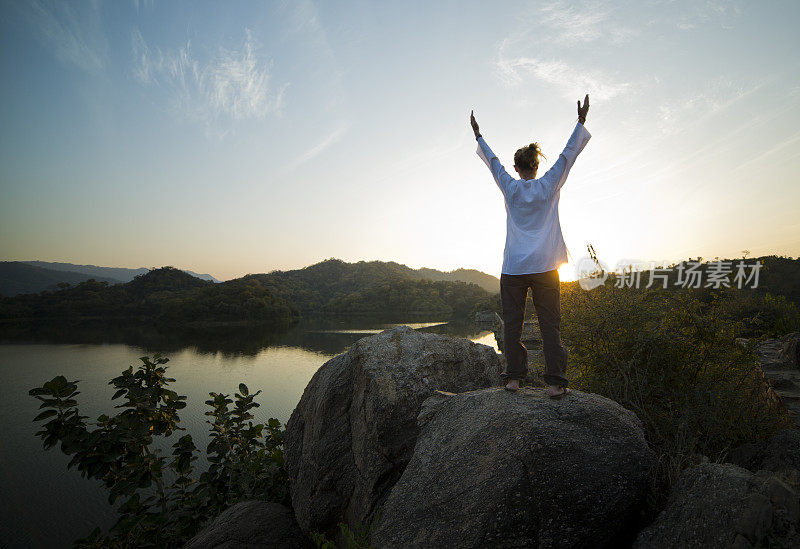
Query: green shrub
[670,358]
[164,502]
[760,315]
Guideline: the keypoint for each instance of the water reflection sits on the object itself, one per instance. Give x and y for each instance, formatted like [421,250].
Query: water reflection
[327,335]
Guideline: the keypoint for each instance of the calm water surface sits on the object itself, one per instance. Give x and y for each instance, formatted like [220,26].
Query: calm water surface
[42,504]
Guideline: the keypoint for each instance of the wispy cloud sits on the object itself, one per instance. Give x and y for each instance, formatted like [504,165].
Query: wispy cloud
[233,83]
[721,12]
[143,4]
[571,81]
[317,149]
[715,97]
[73,32]
[302,22]
[574,22]
[789,143]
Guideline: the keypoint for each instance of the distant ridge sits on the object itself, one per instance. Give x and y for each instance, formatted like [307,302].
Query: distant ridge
[21,278]
[32,277]
[280,298]
[332,275]
[486,281]
[364,273]
[120,274]
[334,285]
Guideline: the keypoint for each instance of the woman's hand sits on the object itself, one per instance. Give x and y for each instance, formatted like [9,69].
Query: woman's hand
[582,111]
[475,124]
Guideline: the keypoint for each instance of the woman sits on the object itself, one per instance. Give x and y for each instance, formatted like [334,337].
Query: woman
[534,250]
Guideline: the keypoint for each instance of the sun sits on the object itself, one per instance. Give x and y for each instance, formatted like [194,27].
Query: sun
[566,273]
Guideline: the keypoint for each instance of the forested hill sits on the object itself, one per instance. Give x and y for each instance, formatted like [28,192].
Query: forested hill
[334,285]
[486,281]
[17,277]
[32,277]
[165,294]
[337,274]
[331,286]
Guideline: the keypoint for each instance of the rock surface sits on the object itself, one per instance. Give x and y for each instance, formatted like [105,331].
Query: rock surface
[353,431]
[721,506]
[251,525]
[780,453]
[487,317]
[531,334]
[779,360]
[498,469]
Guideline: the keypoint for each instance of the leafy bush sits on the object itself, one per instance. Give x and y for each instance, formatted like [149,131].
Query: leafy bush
[164,503]
[760,315]
[670,358]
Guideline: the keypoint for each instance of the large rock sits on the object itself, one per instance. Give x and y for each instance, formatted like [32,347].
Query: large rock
[782,353]
[353,431]
[251,525]
[498,469]
[717,505]
[790,350]
[778,359]
[780,453]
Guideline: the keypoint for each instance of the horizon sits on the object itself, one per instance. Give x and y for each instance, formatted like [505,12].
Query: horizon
[566,272]
[245,274]
[234,139]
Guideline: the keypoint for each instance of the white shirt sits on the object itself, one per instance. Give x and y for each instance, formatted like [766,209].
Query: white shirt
[534,243]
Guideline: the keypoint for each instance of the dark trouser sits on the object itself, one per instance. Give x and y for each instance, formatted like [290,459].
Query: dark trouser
[546,300]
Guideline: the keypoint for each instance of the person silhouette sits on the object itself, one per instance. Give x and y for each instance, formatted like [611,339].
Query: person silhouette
[534,250]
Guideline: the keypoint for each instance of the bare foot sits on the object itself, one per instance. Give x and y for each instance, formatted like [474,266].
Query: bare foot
[557,391]
[512,385]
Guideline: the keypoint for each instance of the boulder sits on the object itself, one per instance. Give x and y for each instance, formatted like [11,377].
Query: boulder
[252,524]
[493,468]
[779,363]
[780,353]
[781,453]
[486,317]
[353,431]
[721,505]
[790,350]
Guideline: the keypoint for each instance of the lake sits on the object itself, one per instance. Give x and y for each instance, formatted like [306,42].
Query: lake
[42,503]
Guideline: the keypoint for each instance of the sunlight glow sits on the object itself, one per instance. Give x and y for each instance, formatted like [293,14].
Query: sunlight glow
[566,273]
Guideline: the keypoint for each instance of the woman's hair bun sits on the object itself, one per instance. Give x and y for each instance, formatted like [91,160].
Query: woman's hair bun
[528,156]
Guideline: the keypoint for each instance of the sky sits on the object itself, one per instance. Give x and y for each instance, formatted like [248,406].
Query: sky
[242,137]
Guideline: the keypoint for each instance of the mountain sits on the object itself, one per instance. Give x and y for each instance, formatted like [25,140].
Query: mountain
[334,284]
[331,286]
[120,274]
[167,294]
[486,281]
[17,277]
